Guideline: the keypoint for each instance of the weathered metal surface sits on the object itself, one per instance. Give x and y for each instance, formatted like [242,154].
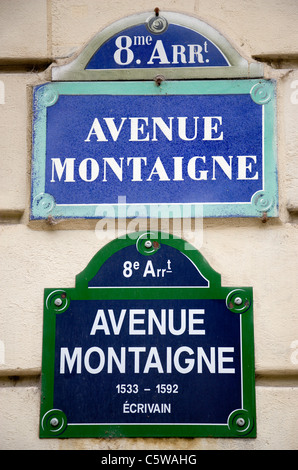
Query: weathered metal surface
[102,147]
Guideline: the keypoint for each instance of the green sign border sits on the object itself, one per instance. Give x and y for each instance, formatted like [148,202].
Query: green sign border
[265,201]
[241,423]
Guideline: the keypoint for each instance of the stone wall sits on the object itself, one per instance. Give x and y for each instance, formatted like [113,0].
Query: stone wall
[36,34]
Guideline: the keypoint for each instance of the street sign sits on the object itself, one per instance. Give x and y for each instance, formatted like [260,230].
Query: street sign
[141,46]
[143,148]
[138,350]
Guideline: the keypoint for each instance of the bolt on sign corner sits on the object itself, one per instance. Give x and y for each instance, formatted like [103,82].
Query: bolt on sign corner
[137,350]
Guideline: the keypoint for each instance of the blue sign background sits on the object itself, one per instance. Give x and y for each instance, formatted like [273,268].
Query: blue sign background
[95,398]
[70,119]
[77,173]
[202,397]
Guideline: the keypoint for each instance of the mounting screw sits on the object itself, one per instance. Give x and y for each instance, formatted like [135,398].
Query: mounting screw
[148,244]
[240,422]
[58,302]
[159,79]
[54,422]
[238,301]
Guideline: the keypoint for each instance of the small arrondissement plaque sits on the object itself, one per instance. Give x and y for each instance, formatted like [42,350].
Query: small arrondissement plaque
[158,114]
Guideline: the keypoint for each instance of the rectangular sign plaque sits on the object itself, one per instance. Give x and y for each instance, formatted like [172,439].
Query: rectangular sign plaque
[137,350]
[135,148]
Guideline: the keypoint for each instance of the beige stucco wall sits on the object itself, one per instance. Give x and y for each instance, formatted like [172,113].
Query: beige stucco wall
[245,252]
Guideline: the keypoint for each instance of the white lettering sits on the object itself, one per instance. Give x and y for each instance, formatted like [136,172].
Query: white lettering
[68,166]
[101,362]
[142,360]
[100,316]
[224,165]
[178,50]
[195,321]
[243,166]
[166,129]
[209,127]
[153,361]
[182,322]
[160,52]
[191,168]
[189,362]
[197,168]
[149,269]
[195,50]
[112,127]
[222,360]
[120,363]
[135,129]
[123,55]
[210,363]
[96,130]
[137,167]
[146,408]
[136,321]
[152,319]
[136,351]
[93,169]
[117,168]
[182,128]
[117,326]
[100,322]
[158,169]
[178,171]
[76,357]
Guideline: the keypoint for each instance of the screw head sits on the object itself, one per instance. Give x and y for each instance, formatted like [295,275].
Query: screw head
[54,422]
[240,422]
[148,244]
[238,301]
[58,302]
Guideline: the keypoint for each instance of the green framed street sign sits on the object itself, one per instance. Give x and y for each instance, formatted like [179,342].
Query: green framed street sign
[148,344]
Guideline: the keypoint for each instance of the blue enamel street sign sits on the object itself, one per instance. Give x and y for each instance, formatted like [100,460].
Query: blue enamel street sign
[137,350]
[98,147]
